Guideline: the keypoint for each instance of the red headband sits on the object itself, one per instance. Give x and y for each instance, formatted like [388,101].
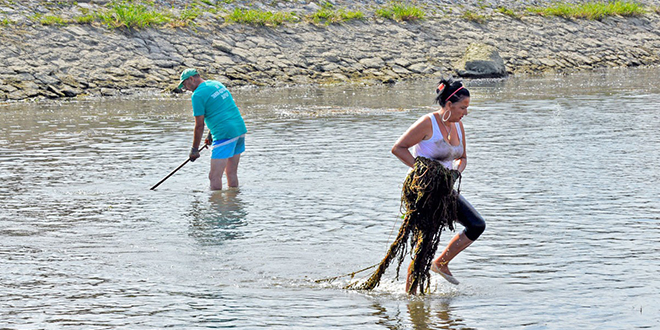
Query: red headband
[452,94]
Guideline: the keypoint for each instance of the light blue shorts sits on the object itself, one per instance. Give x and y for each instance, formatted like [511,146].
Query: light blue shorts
[227,148]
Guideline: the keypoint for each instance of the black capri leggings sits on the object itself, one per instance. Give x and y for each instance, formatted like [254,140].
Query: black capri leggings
[471,219]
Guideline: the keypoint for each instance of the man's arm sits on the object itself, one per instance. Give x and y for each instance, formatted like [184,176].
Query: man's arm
[197,137]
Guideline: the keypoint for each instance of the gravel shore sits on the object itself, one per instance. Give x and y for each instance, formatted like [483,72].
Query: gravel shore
[81,60]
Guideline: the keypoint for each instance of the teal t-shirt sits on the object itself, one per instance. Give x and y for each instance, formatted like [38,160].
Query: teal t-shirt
[212,100]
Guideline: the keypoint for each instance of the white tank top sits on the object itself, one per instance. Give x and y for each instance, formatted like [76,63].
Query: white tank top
[437,148]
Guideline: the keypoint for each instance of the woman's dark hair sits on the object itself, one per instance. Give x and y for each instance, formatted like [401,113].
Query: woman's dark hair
[450,90]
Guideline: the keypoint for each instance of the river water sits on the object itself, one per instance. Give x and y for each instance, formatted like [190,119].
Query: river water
[563,168]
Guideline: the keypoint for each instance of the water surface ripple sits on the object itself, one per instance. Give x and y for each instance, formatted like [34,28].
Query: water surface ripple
[563,168]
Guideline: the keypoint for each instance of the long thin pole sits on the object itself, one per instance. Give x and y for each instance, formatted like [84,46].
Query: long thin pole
[176,169]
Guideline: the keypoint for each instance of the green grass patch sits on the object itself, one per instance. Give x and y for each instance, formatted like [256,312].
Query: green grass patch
[53,20]
[400,12]
[5,22]
[482,4]
[132,15]
[508,12]
[347,15]
[474,17]
[187,16]
[210,6]
[324,15]
[327,14]
[259,17]
[85,19]
[591,10]
[190,13]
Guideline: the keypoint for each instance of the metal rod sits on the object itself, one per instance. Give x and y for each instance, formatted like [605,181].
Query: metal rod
[176,169]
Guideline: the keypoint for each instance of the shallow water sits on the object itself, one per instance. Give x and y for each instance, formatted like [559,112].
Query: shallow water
[563,169]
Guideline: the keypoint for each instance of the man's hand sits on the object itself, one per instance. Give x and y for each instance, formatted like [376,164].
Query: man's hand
[209,139]
[194,154]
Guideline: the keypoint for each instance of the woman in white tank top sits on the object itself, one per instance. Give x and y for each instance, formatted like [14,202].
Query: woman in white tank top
[440,136]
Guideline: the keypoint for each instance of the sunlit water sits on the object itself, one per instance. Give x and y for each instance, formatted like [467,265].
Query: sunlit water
[563,168]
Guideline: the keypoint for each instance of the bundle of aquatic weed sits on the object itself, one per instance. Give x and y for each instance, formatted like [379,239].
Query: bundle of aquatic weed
[430,206]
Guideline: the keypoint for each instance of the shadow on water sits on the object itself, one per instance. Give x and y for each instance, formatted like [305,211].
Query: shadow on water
[219,218]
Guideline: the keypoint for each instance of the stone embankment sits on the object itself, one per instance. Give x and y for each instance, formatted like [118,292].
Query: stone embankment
[77,60]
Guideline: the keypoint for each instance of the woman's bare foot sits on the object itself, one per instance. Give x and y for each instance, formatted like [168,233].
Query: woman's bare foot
[442,268]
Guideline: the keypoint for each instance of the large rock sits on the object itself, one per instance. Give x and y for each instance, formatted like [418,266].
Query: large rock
[481,61]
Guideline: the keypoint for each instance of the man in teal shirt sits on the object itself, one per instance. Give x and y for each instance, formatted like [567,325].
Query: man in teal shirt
[214,107]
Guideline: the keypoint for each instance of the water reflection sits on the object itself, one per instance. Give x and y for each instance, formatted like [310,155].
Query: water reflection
[420,314]
[426,315]
[219,218]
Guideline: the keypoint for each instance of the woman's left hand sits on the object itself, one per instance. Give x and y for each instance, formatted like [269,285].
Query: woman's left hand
[455,174]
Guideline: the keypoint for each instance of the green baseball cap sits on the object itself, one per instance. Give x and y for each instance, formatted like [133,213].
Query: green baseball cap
[187,73]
